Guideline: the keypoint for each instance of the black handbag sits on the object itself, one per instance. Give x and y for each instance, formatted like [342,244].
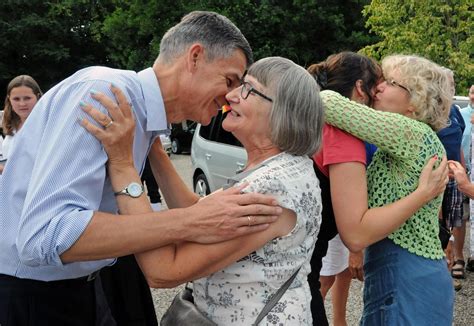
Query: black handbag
[183,311]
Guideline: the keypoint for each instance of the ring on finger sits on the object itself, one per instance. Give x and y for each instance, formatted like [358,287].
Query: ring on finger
[111,122]
[248,217]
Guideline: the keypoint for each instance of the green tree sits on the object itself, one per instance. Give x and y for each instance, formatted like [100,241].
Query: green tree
[304,31]
[439,30]
[49,40]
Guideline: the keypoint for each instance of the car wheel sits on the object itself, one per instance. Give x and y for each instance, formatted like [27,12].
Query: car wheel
[176,147]
[201,186]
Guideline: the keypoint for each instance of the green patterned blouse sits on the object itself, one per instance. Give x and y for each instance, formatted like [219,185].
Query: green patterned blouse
[404,147]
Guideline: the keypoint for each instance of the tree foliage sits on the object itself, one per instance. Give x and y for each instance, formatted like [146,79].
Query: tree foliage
[439,30]
[304,31]
[49,39]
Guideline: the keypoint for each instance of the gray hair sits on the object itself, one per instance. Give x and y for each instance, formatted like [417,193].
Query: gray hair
[296,117]
[219,36]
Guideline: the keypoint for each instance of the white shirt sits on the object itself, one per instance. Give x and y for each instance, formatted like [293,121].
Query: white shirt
[7,146]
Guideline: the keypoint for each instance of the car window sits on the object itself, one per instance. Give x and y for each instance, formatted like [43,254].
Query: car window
[461,101]
[205,131]
[214,132]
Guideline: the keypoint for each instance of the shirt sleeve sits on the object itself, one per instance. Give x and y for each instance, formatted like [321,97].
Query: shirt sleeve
[340,147]
[67,180]
[400,136]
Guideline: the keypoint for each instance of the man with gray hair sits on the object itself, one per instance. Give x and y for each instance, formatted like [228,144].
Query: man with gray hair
[58,210]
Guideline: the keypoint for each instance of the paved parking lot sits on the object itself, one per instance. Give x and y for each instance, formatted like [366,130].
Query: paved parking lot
[464,305]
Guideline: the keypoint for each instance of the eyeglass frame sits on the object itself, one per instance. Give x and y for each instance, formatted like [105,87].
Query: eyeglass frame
[244,84]
[392,82]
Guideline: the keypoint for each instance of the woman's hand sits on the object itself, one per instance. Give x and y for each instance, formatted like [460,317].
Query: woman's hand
[356,265]
[117,132]
[433,181]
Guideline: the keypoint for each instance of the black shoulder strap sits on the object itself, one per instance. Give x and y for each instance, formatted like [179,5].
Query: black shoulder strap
[275,298]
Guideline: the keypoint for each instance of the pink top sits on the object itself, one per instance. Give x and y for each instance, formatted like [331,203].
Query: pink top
[338,147]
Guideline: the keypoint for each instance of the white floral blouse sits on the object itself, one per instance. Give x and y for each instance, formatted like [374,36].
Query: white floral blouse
[238,293]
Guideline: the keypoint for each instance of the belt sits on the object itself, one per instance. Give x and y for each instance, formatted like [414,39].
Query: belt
[89,278]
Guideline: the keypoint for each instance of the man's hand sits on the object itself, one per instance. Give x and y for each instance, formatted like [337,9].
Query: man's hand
[356,265]
[228,214]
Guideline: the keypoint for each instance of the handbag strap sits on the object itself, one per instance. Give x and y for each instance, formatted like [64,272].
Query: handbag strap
[275,298]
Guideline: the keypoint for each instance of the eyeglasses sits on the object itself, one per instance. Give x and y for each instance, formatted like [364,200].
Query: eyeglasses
[393,83]
[247,88]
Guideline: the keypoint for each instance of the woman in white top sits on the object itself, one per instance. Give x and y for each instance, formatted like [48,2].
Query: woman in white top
[22,94]
[277,115]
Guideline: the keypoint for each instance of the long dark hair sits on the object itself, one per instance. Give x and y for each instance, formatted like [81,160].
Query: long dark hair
[340,72]
[11,120]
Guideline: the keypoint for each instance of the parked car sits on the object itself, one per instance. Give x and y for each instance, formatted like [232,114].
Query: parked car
[216,155]
[461,101]
[182,136]
[166,143]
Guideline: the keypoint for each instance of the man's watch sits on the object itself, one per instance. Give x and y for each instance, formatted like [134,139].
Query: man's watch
[133,190]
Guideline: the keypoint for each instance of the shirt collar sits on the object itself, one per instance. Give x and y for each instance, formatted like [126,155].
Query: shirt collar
[154,105]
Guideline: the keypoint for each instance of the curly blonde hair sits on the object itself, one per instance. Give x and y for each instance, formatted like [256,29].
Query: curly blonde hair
[430,92]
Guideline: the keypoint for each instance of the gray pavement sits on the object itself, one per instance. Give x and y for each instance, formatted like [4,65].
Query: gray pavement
[464,303]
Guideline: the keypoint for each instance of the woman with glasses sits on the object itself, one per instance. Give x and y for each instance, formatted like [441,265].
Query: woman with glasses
[341,169]
[277,115]
[406,277]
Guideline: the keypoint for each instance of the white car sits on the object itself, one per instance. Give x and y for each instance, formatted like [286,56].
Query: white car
[461,101]
[166,143]
[216,155]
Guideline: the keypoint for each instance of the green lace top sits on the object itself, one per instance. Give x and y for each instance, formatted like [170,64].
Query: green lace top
[404,147]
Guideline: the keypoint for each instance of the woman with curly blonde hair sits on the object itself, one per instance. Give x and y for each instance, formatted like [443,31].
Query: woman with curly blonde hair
[406,277]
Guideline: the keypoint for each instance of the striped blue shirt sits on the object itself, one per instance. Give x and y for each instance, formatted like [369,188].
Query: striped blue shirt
[56,178]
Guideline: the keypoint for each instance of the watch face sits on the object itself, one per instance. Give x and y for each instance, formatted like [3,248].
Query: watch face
[135,189]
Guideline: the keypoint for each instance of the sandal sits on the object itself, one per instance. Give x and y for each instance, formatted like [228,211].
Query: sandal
[458,272]
[470,264]
[457,284]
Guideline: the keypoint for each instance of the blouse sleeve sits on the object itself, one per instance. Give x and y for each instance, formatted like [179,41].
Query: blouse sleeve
[394,133]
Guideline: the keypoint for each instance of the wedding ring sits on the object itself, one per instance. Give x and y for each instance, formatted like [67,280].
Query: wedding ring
[248,217]
[111,122]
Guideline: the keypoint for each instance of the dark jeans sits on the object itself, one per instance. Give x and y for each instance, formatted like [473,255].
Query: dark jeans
[25,302]
[128,294]
[151,185]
